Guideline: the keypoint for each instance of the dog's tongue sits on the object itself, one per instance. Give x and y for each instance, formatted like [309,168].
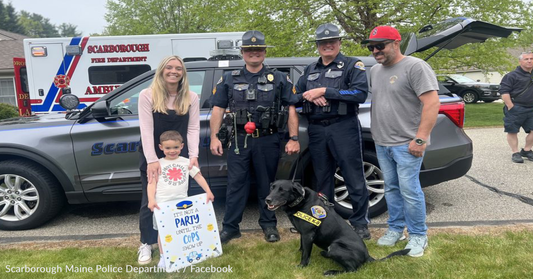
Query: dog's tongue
[270,206]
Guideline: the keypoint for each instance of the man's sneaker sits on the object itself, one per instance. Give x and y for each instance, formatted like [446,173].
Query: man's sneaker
[145,254]
[362,231]
[417,244]
[517,158]
[271,234]
[527,154]
[390,238]
[226,236]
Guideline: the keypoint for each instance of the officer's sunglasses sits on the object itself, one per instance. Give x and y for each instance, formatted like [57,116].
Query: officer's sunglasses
[380,46]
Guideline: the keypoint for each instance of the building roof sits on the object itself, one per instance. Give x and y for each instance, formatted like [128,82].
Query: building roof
[11,46]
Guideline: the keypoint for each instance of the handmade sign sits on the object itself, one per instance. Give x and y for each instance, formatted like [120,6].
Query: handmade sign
[188,231]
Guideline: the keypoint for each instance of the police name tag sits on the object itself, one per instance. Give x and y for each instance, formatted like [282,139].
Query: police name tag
[188,231]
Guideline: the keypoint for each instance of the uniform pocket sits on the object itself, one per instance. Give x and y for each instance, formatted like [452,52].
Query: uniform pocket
[239,91]
[266,92]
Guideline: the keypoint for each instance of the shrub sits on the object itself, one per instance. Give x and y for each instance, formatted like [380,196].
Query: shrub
[8,111]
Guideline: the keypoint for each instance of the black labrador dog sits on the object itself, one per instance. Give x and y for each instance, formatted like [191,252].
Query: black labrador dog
[317,222]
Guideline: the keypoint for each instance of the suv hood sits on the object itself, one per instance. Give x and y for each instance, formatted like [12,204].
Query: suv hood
[40,120]
[451,34]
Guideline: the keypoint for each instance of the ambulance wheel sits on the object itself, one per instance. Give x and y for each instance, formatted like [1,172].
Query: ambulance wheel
[374,183]
[29,195]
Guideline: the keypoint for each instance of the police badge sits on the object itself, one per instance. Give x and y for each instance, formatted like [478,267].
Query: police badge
[318,212]
[270,77]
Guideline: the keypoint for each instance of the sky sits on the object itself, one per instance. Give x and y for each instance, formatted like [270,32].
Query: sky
[87,15]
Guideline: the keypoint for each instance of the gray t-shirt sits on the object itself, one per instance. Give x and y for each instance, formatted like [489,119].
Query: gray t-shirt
[396,108]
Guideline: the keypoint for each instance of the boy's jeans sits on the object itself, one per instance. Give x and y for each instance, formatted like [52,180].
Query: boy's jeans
[405,199]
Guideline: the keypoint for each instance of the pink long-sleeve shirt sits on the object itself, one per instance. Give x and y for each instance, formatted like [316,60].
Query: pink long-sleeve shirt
[146,123]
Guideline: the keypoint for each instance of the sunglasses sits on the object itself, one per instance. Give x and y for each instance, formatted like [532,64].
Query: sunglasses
[380,46]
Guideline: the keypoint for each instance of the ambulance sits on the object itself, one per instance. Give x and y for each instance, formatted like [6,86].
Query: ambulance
[91,67]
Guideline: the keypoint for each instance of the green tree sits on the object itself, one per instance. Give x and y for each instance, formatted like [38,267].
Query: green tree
[11,20]
[290,24]
[296,20]
[135,17]
[68,30]
[37,26]
[3,16]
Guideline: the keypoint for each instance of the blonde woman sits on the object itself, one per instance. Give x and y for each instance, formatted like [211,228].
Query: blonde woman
[167,104]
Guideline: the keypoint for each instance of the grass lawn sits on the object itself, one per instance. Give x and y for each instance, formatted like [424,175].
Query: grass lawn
[484,115]
[478,252]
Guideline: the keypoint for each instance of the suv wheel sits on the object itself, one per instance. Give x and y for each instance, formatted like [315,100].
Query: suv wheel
[29,195]
[374,183]
[470,97]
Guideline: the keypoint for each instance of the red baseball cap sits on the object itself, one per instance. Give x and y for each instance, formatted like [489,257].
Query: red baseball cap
[383,33]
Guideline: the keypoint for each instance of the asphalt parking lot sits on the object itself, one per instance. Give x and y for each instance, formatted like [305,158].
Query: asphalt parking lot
[495,191]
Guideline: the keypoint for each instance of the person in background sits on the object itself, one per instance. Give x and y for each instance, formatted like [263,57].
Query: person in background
[516,89]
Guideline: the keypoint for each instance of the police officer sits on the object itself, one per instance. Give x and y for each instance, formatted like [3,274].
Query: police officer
[330,91]
[258,98]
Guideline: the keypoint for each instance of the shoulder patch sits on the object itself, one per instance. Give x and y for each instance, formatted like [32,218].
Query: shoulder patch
[235,72]
[360,65]
[318,212]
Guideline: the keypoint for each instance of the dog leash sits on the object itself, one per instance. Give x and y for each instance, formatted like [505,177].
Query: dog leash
[296,168]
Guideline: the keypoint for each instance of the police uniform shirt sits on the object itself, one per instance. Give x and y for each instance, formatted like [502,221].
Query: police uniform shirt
[223,90]
[344,78]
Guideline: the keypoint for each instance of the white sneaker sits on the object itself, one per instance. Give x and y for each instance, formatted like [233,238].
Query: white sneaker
[145,254]
[417,244]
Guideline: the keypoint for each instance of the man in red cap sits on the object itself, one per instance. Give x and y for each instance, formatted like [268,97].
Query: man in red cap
[405,106]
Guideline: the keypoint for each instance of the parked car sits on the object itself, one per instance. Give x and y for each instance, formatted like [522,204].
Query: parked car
[470,90]
[92,155]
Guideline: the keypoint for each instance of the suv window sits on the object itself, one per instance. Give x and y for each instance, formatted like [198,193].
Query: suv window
[115,74]
[128,102]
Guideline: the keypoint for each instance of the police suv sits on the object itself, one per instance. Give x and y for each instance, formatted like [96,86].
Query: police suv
[91,155]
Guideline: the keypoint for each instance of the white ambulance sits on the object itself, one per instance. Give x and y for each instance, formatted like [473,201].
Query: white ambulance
[91,67]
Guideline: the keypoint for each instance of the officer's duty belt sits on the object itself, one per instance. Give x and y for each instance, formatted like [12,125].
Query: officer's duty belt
[259,132]
[330,121]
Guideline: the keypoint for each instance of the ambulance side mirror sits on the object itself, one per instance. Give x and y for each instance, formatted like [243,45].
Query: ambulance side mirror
[100,109]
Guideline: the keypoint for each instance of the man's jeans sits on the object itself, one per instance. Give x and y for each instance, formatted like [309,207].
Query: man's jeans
[405,199]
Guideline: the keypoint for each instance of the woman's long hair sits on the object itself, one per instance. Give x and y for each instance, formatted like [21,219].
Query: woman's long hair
[159,89]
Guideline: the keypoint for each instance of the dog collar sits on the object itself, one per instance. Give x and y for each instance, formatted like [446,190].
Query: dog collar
[298,200]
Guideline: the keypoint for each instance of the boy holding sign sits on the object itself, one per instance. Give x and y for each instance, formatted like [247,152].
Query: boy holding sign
[173,181]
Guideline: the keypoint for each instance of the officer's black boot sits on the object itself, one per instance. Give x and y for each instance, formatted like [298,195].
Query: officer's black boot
[271,234]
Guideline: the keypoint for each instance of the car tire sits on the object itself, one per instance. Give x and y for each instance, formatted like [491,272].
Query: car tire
[29,195]
[375,185]
[470,97]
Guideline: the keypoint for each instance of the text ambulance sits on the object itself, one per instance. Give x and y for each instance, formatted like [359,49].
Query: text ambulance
[91,67]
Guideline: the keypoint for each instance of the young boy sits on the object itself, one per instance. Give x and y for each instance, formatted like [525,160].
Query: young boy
[173,181]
